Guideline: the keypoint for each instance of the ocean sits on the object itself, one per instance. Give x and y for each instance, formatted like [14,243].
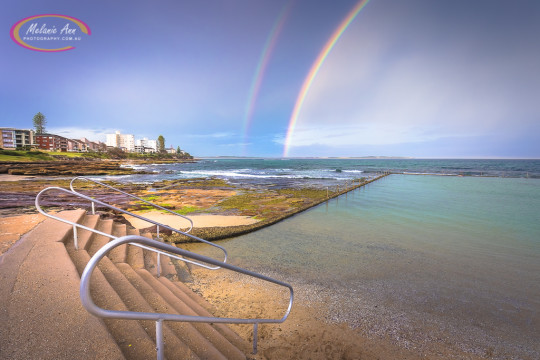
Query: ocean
[323,172]
[423,260]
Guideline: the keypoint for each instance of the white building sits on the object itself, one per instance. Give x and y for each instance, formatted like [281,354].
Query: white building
[145,146]
[152,144]
[123,141]
[113,140]
[127,142]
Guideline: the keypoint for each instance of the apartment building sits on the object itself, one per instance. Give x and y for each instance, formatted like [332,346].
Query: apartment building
[52,142]
[123,141]
[11,138]
[93,145]
[146,146]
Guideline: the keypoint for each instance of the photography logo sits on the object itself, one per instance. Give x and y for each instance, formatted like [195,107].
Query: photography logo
[49,32]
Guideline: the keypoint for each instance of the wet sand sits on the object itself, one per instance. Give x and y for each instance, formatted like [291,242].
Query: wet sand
[307,333]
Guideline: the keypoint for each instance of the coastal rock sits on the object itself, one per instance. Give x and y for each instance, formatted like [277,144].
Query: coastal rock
[65,168]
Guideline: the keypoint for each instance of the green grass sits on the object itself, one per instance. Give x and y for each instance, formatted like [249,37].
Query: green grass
[67,154]
[11,158]
[22,156]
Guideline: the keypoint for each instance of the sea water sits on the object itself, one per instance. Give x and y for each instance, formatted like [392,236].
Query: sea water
[422,260]
[325,172]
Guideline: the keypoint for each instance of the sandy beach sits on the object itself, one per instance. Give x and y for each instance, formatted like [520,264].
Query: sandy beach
[307,333]
[199,221]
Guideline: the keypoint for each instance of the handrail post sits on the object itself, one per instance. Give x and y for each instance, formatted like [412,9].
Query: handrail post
[75,238]
[255,331]
[160,347]
[158,257]
[93,208]
[158,265]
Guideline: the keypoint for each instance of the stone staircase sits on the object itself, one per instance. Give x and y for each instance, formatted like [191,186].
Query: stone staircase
[43,316]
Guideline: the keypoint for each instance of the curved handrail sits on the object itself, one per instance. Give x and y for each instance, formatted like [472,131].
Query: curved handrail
[38,207]
[130,195]
[92,308]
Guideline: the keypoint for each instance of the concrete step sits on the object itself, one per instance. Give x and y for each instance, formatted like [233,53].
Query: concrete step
[195,298]
[97,241]
[201,307]
[40,311]
[150,262]
[120,282]
[83,236]
[150,258]
[175,348]
[130,336]
[119,253]
[196,342]
[135,256]
[210,333]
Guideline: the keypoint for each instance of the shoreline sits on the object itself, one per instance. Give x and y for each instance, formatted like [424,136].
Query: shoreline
[310,332]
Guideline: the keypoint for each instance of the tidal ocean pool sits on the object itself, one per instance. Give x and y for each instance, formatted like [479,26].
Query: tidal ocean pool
[419,259]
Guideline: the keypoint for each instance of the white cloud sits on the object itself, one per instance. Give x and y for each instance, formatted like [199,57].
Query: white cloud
[376,90]
[217,135]
[363,134]
[78,132]
[236,145]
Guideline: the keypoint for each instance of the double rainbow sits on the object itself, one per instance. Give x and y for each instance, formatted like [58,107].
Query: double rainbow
[261,67]
[315,69]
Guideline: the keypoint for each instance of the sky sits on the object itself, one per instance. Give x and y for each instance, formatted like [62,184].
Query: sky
[412,78]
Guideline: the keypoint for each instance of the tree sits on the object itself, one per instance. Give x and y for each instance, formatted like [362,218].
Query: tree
[39,123]
[161,144]
[178,151]
[116,153]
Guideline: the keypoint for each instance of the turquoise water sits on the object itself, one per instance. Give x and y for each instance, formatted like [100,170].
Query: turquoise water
[423,260]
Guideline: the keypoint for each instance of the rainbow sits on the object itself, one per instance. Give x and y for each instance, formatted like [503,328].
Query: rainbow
[261,67]
[315,69]
[15,29]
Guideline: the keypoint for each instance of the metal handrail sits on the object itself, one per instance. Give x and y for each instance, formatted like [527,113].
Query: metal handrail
[76,225]
[92,308]
[130,195]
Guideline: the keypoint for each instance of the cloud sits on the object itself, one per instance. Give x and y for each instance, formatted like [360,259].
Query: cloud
[236,145]
[217,135]
[364,134]
[387,89]
[78,132]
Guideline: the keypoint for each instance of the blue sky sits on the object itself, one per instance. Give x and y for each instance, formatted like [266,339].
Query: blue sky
[416,78]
